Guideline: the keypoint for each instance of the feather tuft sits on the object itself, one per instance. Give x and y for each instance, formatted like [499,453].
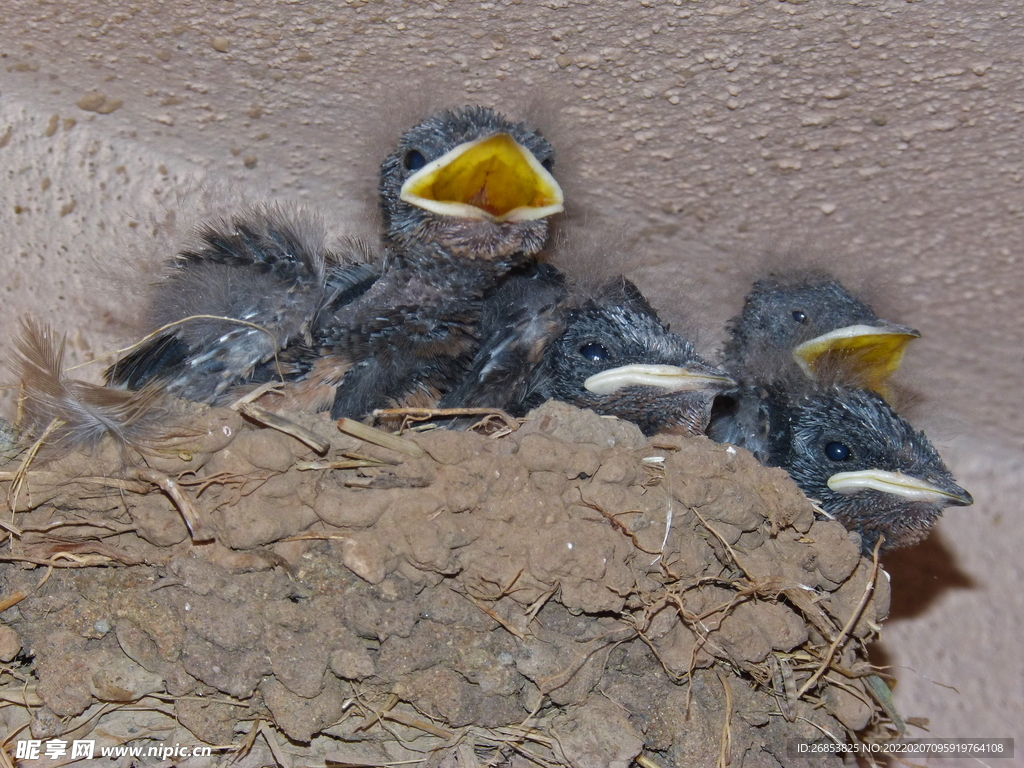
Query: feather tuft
[73,413]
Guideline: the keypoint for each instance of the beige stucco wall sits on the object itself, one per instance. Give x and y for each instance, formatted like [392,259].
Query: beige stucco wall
[883,138]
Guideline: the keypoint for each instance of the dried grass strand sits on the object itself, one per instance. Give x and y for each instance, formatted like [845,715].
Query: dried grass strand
[197,527]
[845,631]
[726,744]
[277,422]
[377,437]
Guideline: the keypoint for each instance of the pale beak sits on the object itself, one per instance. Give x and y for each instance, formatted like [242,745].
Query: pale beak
[898,484]
[670,378]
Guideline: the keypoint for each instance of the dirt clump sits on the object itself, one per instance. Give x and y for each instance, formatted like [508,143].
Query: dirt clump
[565,593]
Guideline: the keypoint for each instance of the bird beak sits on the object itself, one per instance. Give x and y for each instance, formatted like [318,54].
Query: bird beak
[670,378]
[898,484]
[494,178]
[870,353]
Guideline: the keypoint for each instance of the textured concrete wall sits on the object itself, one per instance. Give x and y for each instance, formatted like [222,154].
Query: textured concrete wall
[882,138]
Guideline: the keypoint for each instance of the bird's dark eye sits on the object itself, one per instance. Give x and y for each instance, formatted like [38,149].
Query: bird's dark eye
[836,451]
[595,353]
[548,163]
[414,160]
[800,317]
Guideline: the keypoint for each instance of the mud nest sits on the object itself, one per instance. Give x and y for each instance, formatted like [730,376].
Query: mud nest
[568,593]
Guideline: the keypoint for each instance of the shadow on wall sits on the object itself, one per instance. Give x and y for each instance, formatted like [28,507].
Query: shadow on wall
[921,575]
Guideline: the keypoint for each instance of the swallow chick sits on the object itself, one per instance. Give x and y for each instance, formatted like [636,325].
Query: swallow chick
[848,450]
[465,198]
[252,287]
[607,351]
[811,323]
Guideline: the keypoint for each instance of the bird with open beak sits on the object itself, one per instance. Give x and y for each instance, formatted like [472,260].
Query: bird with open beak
[465,198]
[811,323]
[848,450]
[607,350]
[813,364]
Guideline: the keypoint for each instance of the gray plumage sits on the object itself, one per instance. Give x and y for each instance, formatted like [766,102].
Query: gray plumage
[816,432]
[398,334]
[251,287]
[812,363]
[409,338]
[783,312]
[542,341]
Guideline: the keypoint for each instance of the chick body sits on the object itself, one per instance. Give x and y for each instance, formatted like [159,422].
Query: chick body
[608,351]
[465,199]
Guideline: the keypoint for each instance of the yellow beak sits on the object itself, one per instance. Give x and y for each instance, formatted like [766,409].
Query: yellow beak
[494,178]
[869,353]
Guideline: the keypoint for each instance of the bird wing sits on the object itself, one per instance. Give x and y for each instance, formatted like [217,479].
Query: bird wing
[517,323]
[136,369]
[347,282]
[250,289]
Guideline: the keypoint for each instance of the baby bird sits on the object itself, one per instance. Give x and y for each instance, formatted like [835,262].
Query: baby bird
[465,199]
[810,322]
[813,364]
[848,450]
[609,352]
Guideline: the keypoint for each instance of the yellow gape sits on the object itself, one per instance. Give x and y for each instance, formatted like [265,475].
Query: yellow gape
[868,354]
[493,178]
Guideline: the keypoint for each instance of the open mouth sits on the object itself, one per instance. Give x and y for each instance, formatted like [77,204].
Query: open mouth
[494,178]
[898,484]
[670,378]
[870,353]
